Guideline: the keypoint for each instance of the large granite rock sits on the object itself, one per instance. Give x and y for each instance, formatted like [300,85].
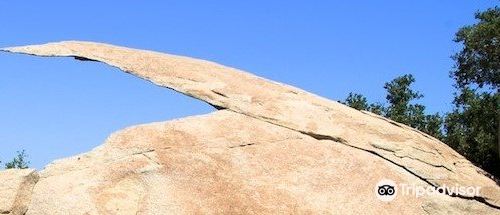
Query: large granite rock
[271,148]
[16,187]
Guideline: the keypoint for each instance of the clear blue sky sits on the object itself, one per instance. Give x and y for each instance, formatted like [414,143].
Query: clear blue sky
[59,107]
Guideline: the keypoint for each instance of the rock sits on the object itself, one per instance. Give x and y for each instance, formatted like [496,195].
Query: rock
[15,190]
[271,148]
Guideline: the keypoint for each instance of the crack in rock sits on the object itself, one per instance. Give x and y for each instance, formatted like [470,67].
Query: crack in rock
[241,145]
[425,162]
[151,159]
[435,186]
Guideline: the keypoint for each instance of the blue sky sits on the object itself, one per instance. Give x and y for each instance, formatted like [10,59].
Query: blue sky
[59,107]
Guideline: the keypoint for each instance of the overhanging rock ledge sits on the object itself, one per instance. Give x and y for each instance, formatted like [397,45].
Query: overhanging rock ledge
[271,147]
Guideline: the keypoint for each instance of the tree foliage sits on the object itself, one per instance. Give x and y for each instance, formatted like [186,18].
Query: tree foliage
[19,162]
[479,60]
[399,96]
[473,126]
[401,106]
[357,101]
[377,108]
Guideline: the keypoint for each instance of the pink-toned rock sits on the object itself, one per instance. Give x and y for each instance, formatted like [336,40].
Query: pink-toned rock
[15,190]
[271,148]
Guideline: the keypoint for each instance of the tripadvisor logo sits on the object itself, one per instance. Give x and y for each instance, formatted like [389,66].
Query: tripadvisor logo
[386,190]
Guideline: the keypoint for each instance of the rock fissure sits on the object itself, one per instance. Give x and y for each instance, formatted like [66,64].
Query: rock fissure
[220,93]
[419,149]
[476,198]
[344,142]
[151,159]
[242,145]
[142,152]
[425,162]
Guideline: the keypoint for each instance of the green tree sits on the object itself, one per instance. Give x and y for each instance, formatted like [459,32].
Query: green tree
[479,60]
[377,108]
[472,127]
[401,108]
[359,102]
[433,126]
[19,162]
[356,101]
[399,96]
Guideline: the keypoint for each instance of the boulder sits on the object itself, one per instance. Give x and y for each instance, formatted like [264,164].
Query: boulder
[270,148]
[16,186]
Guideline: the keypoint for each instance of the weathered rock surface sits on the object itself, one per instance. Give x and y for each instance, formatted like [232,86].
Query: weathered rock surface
[15,190]
[271,148]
